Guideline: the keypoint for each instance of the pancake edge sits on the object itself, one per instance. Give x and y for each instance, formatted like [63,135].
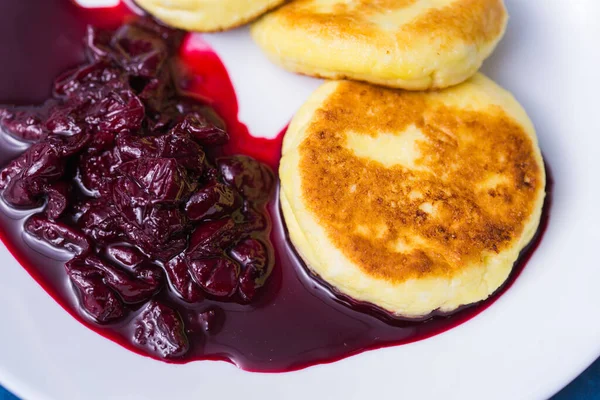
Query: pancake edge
[215,17]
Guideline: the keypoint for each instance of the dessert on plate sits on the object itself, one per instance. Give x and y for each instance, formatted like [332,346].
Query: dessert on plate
[144,207]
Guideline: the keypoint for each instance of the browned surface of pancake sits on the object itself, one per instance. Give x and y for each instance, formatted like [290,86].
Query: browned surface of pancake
[358,19]
[460,201]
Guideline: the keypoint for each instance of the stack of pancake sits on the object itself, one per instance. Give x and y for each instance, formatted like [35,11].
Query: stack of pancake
[409,181]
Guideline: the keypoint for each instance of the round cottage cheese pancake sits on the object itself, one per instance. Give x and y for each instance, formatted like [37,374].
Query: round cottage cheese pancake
[207,15]
[408,44]
[412,201]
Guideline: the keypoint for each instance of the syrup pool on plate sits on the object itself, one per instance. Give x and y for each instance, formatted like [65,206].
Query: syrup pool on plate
[294,321]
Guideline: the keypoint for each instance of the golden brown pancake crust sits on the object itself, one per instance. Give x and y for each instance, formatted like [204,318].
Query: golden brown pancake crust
[461,19]
[469,192]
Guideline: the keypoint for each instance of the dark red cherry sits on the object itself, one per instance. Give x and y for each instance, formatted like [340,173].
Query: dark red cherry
[159,329]
[65,118]
[117,111]
[58,199]
[252,255]
[181,280]
[67,146]
[212,238]
[97,171]
[131,288]
[174,146]
[150,274]
[101,221]
[253,219]
[138,51]
[127,255]
[96,298]
[185,150]
[217,276]
[202,130]
[250,251]
[23,123]
[158,231]
[89,82]
[162,178]
[212,201]
[25,179]
[252,178]
[57,234]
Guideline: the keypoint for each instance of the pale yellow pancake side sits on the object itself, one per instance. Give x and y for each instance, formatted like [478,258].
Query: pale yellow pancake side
[409,44]
[412,201]
[207,15]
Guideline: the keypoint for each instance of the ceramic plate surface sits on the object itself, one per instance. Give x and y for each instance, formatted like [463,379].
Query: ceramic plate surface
[537,337]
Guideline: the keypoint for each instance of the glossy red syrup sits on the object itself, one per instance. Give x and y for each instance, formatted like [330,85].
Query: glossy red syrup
[296,322]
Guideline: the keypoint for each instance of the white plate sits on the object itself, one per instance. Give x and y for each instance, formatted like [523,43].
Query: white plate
[542,333]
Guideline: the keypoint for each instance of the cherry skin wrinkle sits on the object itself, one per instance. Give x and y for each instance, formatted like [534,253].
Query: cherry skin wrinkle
[292,322]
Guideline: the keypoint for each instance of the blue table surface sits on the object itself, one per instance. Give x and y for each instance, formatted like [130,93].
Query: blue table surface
[585,387]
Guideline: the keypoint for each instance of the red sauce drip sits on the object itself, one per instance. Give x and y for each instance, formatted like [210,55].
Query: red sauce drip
[297,322]
[207,78]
